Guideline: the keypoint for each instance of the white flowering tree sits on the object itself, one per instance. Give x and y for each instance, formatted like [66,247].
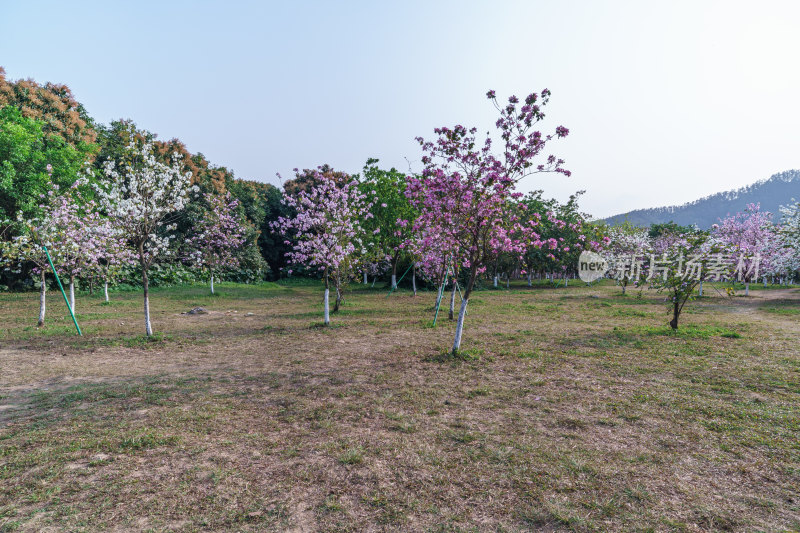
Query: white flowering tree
[626,252]
[789,261]
[142,197]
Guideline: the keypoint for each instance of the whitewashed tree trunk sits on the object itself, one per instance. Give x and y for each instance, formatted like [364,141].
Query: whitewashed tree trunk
[700,290]
[72,293]
[495,280]
[529,280]
[366,281]
[374,279]
[414,279]
[765,282]
[212,283]
[105,288]
[148,327]
[327,312]
[566,280]
[42,300]
[508,282]
[460,325]
[747,289]
[394,281]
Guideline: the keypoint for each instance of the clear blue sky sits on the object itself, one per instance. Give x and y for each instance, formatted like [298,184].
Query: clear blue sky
[666,101]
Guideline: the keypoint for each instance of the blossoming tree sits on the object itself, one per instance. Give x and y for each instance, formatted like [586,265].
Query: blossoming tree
[465,189]
[26,247]
[112,253]
[753,239]
[141,196]
[217,236]
[627,251]
[76,248]
[328,232]
[681,263]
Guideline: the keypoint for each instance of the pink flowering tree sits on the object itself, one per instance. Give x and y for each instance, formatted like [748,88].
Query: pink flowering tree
[752,239]
[76,249]
[25,248]
[217,236]
[142,197]
[465,189]
[436,258]
[328,233]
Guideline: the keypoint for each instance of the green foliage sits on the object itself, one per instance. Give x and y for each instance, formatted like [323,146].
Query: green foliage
[25,152]
[261,203]
[392,205]
[657,230]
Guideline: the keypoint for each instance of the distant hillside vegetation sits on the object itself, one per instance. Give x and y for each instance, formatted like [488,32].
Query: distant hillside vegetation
[772,193]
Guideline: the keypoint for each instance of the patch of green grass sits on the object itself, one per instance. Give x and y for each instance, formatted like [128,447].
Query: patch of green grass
[683,331]
[147,440]
[353,455]
[783,308]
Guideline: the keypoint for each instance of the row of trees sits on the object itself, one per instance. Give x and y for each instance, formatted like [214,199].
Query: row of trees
[744,247]
[97,228]
[109,201]
[459,219]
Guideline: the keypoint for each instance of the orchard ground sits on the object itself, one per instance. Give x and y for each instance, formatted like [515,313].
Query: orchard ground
[571,409]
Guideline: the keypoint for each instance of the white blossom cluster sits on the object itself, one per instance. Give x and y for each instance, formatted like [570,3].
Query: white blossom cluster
[141,195]
[790,232]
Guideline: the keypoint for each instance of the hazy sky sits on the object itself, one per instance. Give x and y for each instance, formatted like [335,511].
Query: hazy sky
[666,101]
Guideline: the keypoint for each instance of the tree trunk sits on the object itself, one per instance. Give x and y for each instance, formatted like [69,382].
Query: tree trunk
[338,300]
[212,282]
[624,286]
[530,284]
[566,281]
[105,288]
[72,293]
[148,327]
[700,290]
[747,288]
[374,280]
[508,282]
[495,281]
[414,279]
[460,325]
[676,311]
[91,286]
[366,281]
[394,280]
[42,300]
[453,300]
[327,314]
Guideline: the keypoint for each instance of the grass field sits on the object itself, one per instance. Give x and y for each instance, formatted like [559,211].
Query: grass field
[573,409]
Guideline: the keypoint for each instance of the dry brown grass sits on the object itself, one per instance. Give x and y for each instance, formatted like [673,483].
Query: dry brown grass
[571,409]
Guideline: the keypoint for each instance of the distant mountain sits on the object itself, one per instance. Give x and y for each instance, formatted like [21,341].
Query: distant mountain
[772,193]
